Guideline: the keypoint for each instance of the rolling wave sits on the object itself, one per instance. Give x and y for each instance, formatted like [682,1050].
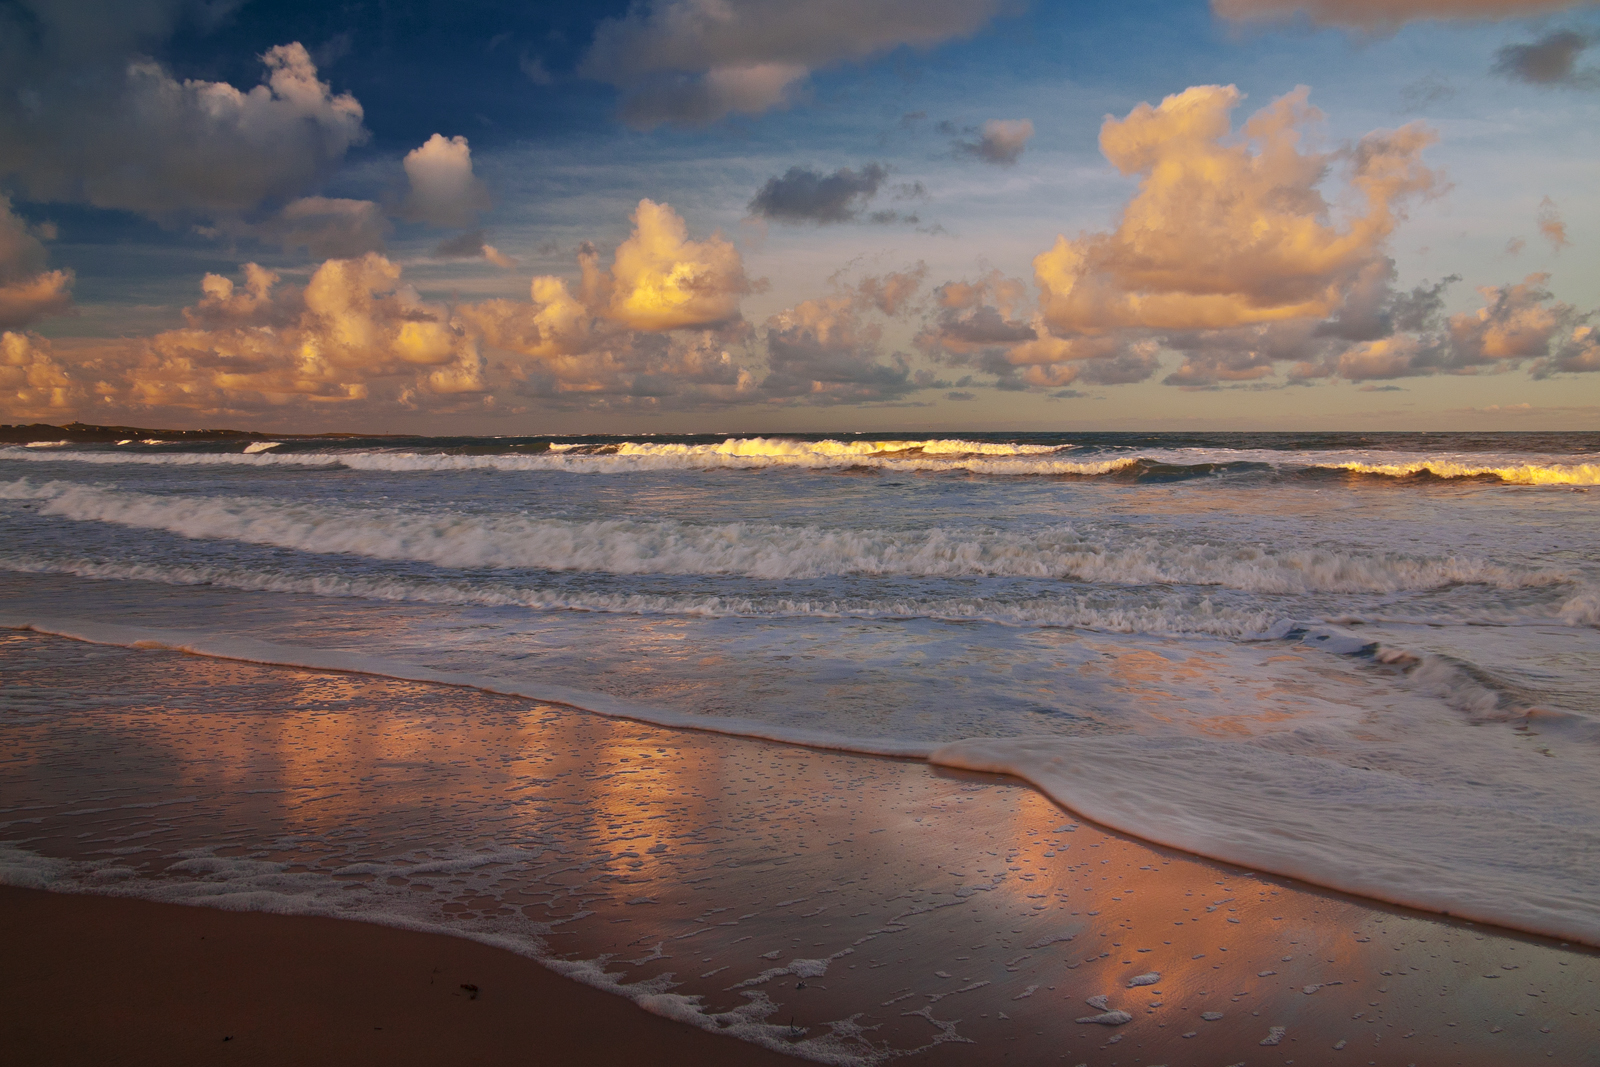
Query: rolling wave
[759,550]
[1511,473]
[931,456]
[1173,615]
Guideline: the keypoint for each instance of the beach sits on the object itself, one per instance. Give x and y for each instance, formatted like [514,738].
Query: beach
[875,533]
[93,980]
[835,907]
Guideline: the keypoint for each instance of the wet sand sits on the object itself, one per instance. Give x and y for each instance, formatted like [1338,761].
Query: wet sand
[91,980]
[836,907]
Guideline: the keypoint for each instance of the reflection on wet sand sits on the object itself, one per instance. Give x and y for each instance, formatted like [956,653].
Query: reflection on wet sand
[844,908]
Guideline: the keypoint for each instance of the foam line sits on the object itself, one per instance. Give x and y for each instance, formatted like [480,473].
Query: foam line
[1511,473]
[1371,833]
[933,455]
[249,650]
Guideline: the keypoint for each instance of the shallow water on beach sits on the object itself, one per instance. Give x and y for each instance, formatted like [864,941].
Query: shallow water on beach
[1366,661]
[843,908]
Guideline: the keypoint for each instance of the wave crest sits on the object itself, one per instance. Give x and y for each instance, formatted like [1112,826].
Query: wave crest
[766,551]
[1514,474]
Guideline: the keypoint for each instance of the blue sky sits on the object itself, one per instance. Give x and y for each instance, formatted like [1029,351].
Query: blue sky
[416,168]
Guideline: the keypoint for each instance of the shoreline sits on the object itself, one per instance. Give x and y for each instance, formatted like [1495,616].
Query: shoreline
[1062,771]
[954,916]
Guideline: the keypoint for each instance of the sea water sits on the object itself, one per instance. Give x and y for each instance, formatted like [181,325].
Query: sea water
[1368,661]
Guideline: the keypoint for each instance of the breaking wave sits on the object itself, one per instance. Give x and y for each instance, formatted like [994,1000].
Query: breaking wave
[933,455]
[760,550]
[1510,473]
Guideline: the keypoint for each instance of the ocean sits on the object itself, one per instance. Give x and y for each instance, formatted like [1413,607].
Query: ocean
[1369,662]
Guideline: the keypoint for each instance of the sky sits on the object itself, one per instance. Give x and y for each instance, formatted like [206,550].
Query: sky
[476,217]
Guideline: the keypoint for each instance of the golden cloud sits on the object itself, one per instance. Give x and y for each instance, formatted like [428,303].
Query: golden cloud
[353,324]
[1228,231]
[661,280]
[32,383]
[657,327]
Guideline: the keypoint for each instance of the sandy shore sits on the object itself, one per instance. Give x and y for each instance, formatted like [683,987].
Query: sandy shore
[874,909]
[104,980]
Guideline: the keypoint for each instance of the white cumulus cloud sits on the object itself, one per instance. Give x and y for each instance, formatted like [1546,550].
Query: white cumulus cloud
[444,191]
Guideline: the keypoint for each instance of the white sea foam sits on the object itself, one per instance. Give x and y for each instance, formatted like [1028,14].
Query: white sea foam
[932,455]
[1172,615]
[1512,472]
[1483,831]
[237,883]
[758,550]
[637,457]
[790,449]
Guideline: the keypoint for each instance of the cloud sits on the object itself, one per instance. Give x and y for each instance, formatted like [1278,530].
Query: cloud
[1429,89]
[534,70]
[977,318]
[444,192]
[661,280]
[28,292]
[695,61]
[92,125]
[659,328]
[991,324]
[353,330]
[1002,142]
[1551,226]
[1243,252]
[806,195]
[324,227]
[1577,353]
[589,345]
[1549,61]
[891,293]
[224,303]
[1230,230]
[32,384]
[1242,354]
[473,246]
[1518,324]
[1383,14]
[829,350]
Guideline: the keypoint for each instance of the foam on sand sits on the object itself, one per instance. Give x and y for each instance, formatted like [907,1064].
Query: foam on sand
[1489,828]
[1463,841]
[248,650]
